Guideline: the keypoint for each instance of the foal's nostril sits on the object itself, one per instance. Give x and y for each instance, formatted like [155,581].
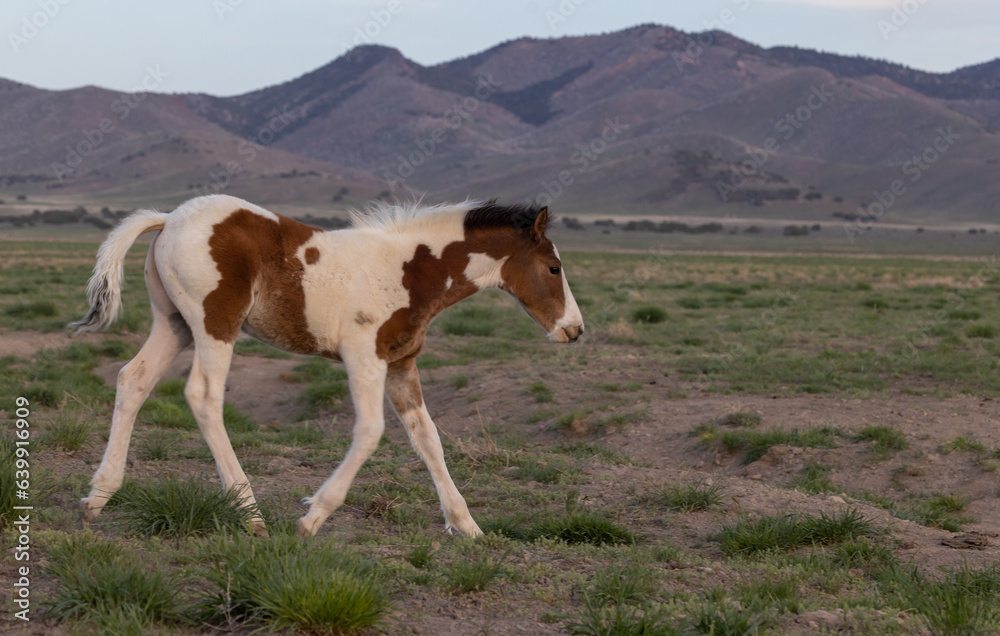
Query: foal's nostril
[573,332]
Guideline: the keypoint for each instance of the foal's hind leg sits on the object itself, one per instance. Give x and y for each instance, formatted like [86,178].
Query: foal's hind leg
[403,388]
[204,392]
[168,337]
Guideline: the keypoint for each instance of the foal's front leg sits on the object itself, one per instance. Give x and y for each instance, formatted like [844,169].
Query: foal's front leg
[366,378]
[403,388]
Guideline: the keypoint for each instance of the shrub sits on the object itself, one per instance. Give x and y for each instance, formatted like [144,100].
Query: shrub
[282,584]
[649,315]
[173,508]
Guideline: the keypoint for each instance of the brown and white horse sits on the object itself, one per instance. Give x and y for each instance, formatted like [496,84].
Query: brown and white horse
[363,295]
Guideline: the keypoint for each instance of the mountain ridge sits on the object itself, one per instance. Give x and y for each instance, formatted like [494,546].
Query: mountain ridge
[693,109]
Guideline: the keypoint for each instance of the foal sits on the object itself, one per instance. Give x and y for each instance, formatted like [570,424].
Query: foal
[364,295]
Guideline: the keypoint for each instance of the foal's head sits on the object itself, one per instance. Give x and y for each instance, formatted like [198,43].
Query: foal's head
[532,272]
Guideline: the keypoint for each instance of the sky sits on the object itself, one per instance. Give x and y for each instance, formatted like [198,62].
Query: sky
[228,47]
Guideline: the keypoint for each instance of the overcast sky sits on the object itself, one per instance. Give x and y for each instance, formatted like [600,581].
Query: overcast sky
[226,47]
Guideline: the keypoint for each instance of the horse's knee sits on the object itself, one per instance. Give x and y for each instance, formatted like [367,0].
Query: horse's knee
[134,377]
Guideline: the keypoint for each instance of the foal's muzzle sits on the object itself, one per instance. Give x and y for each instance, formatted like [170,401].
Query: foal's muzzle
[573,332]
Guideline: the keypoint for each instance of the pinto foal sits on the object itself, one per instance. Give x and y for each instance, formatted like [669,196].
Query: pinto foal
[364,295]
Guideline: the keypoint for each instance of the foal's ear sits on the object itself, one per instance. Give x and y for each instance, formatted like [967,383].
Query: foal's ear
[541,223]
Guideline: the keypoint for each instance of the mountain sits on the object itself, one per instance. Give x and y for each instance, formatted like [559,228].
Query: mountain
[647,120]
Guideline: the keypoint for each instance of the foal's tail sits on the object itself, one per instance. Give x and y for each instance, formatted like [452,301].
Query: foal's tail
[104,291]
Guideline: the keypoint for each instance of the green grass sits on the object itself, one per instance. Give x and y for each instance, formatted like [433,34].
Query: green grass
[579,527]
[282,584]
[36,309]
[781,595]
[157,447]
[813,480]
[964,443]
[884,439]
[938,511]
[690,498]
[96,584]
[464,576]
[961,604]
[786,532]
[68,431]
[459,380]
[740,419]
[981,331]
[648,315]
[620,601]
[541,392]
[326,389]
[256,347]
[551,470]
[756,443]
[421,555]
[172,508]
[8,481]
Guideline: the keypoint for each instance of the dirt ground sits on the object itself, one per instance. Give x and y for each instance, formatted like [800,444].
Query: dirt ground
[661,446]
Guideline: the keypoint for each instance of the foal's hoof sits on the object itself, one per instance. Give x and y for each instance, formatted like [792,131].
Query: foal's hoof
[259,529]
[305,528]
[472,531]
[87,512]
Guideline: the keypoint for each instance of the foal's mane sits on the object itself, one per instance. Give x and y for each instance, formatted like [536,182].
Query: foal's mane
[403,216]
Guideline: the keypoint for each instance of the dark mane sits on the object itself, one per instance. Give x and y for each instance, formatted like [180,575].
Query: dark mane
[491,215]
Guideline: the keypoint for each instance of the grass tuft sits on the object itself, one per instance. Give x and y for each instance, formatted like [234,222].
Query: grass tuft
[690,498]
[885,439]
[173,508]
[96,584]
[648,315]
[463,577]
[282,583]
[67,431]
[786,532]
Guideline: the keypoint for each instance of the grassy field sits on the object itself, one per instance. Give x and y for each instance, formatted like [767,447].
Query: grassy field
[684,532]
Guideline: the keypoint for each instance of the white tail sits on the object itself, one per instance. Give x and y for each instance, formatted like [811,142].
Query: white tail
[104,291]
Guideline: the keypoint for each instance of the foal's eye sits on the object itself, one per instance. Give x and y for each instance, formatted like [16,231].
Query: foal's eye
[554,271]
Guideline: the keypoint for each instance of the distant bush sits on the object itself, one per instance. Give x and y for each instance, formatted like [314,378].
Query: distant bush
[605,223]
[331,223]
[572,223]
[648,314]
[796,230]
[62,217]
[669,227]
[753,229]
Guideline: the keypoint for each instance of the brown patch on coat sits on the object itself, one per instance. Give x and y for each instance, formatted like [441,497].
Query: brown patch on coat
[425,276]
[402,385]
[362,318]
[525,275]
[261,281]
[312,255]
